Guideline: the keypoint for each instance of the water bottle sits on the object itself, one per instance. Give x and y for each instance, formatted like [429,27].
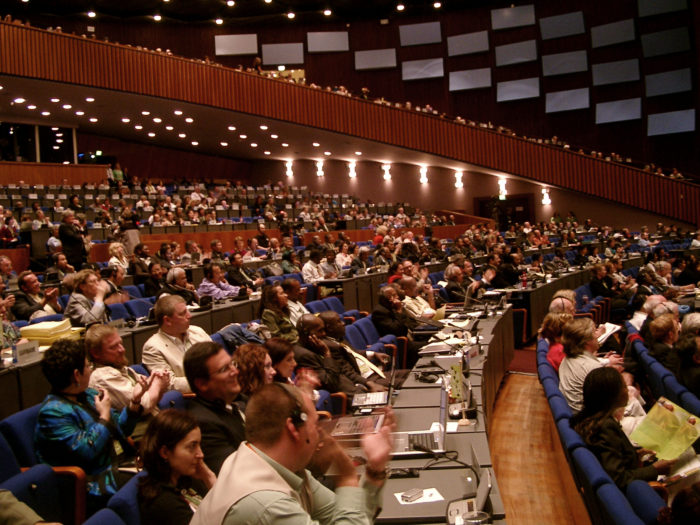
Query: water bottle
[15,355]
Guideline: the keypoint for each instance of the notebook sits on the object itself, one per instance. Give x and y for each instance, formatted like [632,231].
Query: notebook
[424,442]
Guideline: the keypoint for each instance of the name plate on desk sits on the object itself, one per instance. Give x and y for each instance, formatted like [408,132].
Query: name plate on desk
[117,323]
[27,352]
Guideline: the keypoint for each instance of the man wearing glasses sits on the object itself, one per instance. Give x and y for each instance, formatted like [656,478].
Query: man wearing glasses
[213,377]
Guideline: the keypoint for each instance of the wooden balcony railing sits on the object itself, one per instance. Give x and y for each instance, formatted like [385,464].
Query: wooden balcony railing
[35,53]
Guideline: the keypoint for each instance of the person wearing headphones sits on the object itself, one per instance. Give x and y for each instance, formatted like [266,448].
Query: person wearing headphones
[266,480]
[176,284]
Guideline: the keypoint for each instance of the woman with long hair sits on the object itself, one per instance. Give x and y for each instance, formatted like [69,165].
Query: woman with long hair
[604,401]
[254,367]
[177,476]
[281,354]
[274,313]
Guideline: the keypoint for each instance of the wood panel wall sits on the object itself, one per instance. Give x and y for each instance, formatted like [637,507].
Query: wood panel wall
[33,173]
[32,52]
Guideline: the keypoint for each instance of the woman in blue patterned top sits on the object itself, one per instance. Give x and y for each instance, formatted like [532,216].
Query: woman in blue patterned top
[77,426]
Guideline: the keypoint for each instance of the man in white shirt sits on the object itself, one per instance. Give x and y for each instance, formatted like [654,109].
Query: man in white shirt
[292,288]
[312,271]
[165,350]
[419,306]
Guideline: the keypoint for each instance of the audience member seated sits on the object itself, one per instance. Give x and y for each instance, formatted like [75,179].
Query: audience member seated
[311,271]
[30,302]
[154,282]
[254,367]
[360,263]
[598,423]
[111,371]
[580,342]
[7,274]
[15,512]
[114,277]
[418,305]
[213,377]
[215,285]
[9,333]
[664,333]
[176,284]
[239,275]
[60,268]
[164,256]
[86,304]
[263,477]
[289,262]
[390,318]
[551,331]
[118,256]
[328,265]
[456,290]
[275,314]
[77,426]
[343,257]
[193,253]
[688,348]
[292,287]
[140,263]
[176,475]
[312,352]
[357,372]
[563,301]
[281,354]
[166,349]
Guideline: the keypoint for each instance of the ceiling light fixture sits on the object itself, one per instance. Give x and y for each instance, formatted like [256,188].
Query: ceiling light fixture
[291,15]
[66,106]
[285,145]
[181,135]
[224,144]
[266,152]
[91,14]
[145,113]
[232,128]
[177,112]
[89,99]
[243,137]
[55,100]
[151,134]
[157,120]
[437,5]
[327,153]
[195,143]
[169,128]
[189,120]
[315,144]
[80,113]
[327,12]
[157,17]
[93,119]
[126,120]
[230,3]
[219,21]
[253,145]
[358,153]
[31,106]
[138,126]
[19,100]
[400,7]
[273,136]
[263,127]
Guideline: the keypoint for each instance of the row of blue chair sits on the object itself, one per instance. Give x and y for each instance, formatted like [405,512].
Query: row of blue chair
[605,502]
[661,380]
[333,303]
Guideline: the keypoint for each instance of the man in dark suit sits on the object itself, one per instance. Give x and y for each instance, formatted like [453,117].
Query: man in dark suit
[312,352]
[360,263]
[29,299]
[390,318]
[213,377]
[72,240]
[239,275]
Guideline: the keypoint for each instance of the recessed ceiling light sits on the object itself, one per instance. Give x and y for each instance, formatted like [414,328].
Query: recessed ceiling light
[291,15]
[437,5]
[273,136]
[1,88]
[31,106]
[80,113]
[89,99]
[232,128]
[177,112]
[45,113]
[181,135]
[138,126]
[195,143]
[327,12]
[151,134]
[281,68]
[315,144]
[126,120]
[55,100]
[157,18]
[224,144]
[268,1]
[326,153]
[358,153]
[59,134]
[66,106]
[54,129]
[145,113]
[400,7]
[243,137]
[57,147]
[157,120]
[93,119]
[189,120]
[263,127]
[219,21]
[19,100]
[169,128]
[230,3]
[266,152]
[59,141]
[91,14]
[253,145]
[285,145]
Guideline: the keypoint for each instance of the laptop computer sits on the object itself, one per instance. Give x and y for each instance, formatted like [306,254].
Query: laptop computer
[349,427]
[424,442]
[375,399]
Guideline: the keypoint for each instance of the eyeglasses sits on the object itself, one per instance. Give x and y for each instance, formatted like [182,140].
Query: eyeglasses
[231,365]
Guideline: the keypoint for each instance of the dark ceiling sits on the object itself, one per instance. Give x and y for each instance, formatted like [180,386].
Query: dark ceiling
[244,11]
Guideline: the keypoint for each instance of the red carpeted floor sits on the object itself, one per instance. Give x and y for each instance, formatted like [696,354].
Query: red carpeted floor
[524,361]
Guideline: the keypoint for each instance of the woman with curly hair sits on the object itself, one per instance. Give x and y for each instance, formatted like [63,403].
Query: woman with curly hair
[177,476]
[274,313]
[254,367]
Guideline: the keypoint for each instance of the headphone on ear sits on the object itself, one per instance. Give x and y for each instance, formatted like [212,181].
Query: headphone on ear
[298,416]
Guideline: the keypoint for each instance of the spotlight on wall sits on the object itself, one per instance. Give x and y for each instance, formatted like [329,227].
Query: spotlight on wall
[502,191]
[289,164]
[423,175]
[351,169]
[545,197]
[319,168]
[458,179]
[387,171]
